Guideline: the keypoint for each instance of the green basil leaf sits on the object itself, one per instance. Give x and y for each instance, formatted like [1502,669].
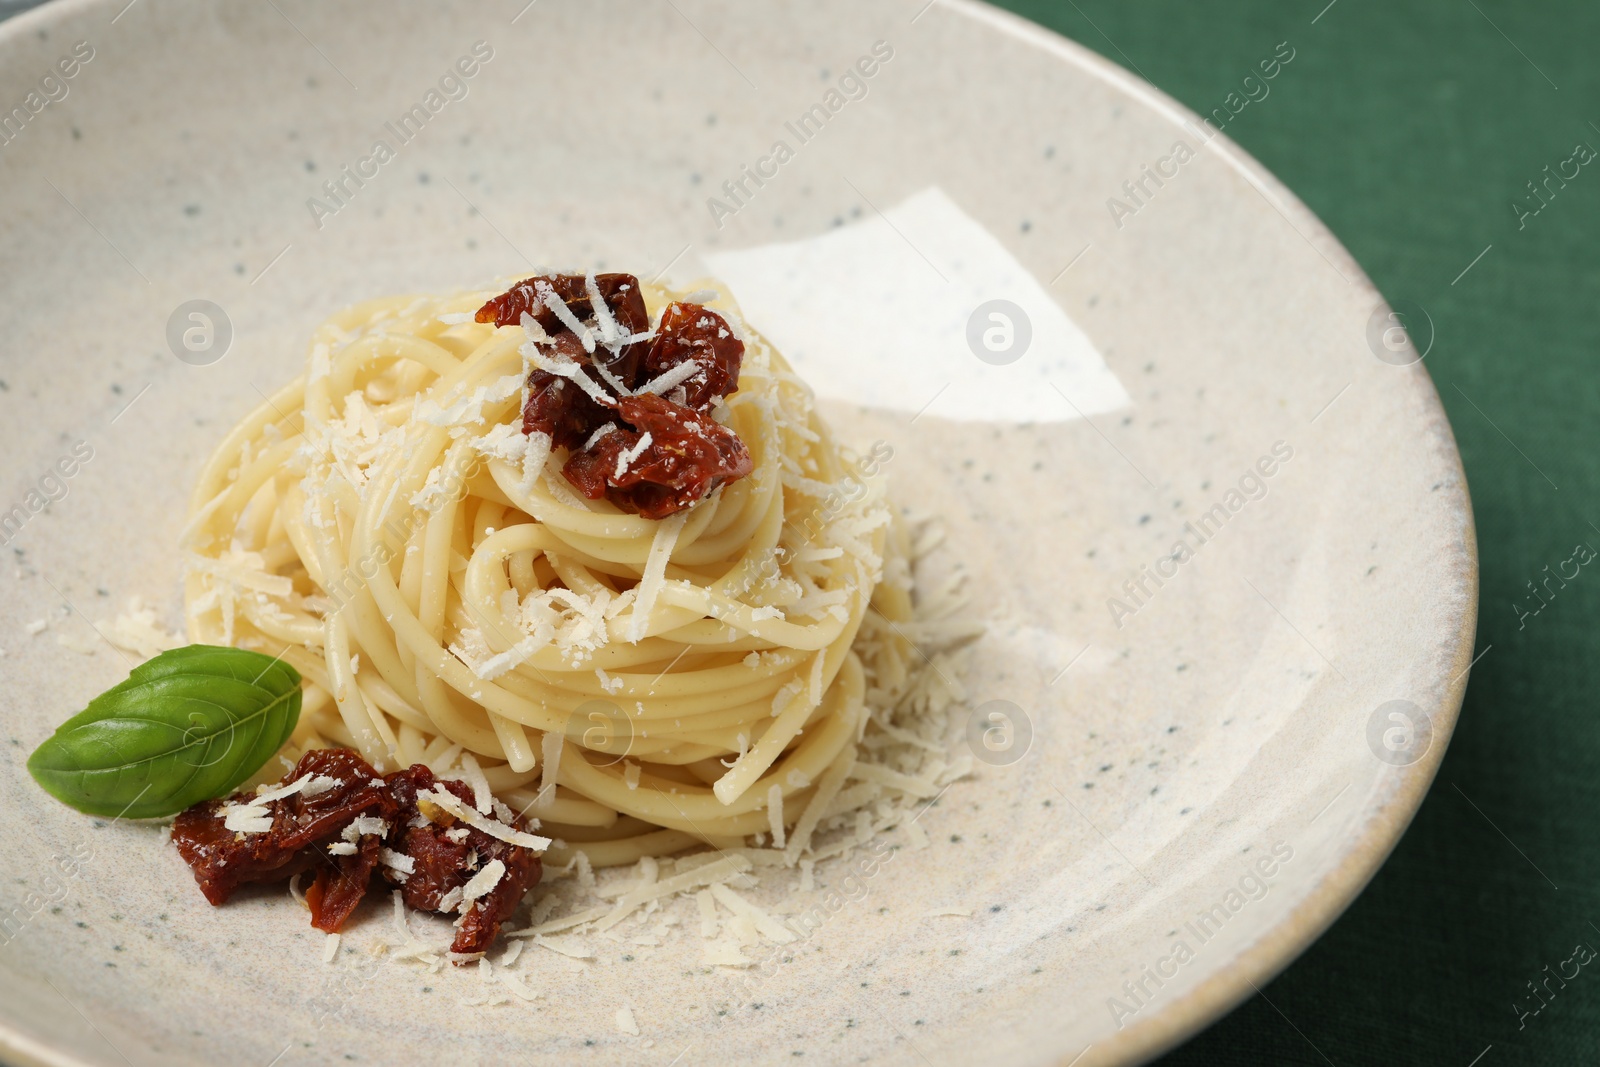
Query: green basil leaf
[189,725]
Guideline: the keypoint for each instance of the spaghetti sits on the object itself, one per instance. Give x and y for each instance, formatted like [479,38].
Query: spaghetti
[638,685]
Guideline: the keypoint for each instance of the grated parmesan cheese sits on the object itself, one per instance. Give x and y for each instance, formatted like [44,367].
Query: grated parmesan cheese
[764,923]
[362,825]
[448,802]
[708,913]
[397,861]
[724,954]
[247,818]
[671,379]
[515,983]
[472,774]
[625,459]
[482,882]
[775,813]
[564,946]
[654,576]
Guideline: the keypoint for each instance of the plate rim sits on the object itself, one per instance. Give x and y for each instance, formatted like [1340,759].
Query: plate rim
[1284,942]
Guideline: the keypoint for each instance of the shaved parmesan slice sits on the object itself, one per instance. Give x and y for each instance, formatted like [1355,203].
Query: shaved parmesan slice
[137,630]
[482,882]
[362,825]
[247,818]
[724,954]
[596,437]
[654,577]
[765,924]
[398,861]
[559,308]
[448,802]
[609,330]
[585,870]
[708,913]
[775,813]
[550,747]
[713,874]
[511,658]
[299,785]
[671,379]
[625,460]
[878,774]
[564,946]
[722,869]
[515,983]
[472,774]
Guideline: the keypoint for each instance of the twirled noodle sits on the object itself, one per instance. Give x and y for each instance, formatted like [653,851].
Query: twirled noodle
[640,686]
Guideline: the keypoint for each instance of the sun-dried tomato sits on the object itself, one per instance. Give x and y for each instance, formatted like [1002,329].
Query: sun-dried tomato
[303,828]
[223,859]
[688,454]
[446,854]
[339,887]
[690,332]
[665,459]
[619,291]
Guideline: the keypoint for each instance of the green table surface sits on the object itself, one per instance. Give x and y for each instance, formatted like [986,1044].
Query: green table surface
[1413,128]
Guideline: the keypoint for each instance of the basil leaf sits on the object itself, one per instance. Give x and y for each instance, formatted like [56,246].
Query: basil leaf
[189,725]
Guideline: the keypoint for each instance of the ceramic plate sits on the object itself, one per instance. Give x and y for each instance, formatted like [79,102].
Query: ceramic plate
[1090,328]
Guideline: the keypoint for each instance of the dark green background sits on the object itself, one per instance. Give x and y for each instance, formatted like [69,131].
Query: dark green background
[1409,127]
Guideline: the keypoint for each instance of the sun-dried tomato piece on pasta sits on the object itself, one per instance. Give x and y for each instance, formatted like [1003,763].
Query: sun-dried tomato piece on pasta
[665,458]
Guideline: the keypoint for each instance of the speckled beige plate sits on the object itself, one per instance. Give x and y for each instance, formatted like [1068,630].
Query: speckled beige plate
[1209,751]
